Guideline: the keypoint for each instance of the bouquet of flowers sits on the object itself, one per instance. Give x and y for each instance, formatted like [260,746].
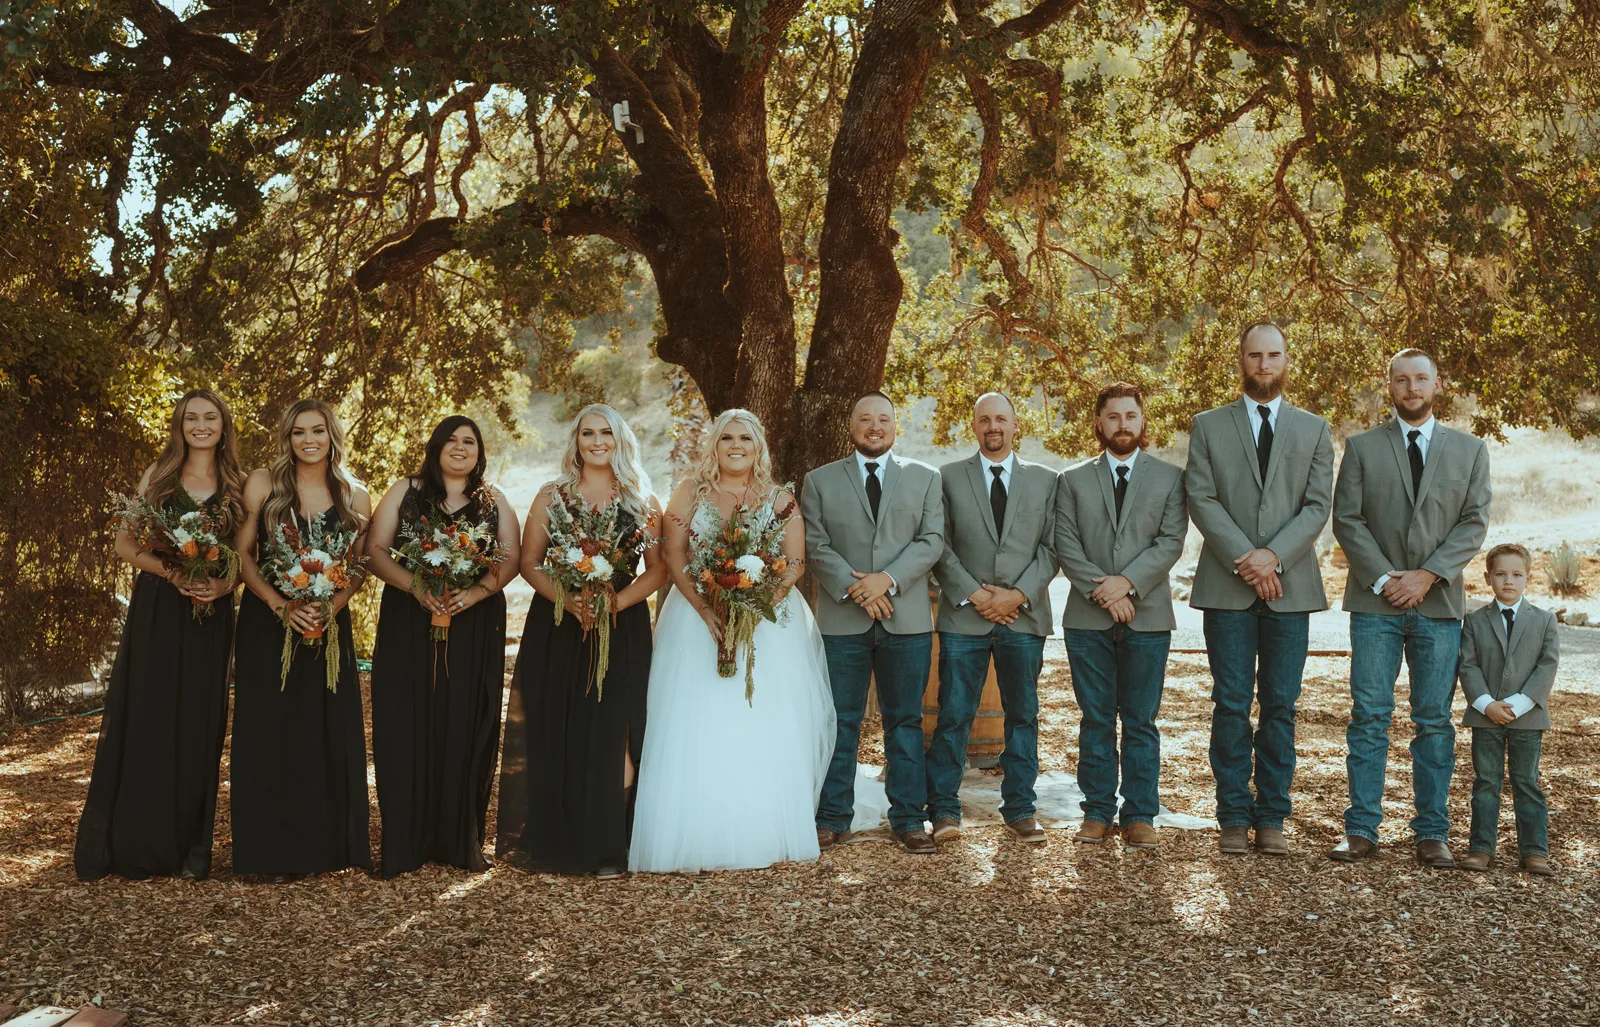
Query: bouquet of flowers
[308,568]
[185,536]
[739,569]
[587,546]
[446,555]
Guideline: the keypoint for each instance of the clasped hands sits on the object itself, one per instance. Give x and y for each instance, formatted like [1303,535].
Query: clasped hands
[1406,589]
[871,593]
[1111,593]
[997,603]
[452,602]
[1259,569]
[1499,712]
[207,591]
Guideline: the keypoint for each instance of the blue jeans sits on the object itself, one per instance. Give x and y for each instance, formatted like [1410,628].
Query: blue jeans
[1255,655]
[1492,749]
[1118,672]
[1432,651]
[900,665]
[963,668]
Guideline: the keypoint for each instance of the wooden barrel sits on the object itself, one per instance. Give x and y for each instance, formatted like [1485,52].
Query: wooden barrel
[988,738]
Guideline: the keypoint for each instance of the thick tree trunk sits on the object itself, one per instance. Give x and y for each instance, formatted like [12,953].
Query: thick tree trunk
[861,286]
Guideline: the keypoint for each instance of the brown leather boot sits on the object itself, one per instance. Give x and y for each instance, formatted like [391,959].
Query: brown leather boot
[1235,841]
[1091,833]
[826,839]
[1476,861]
[1140,836]
[1270,841]
[1028,830]
[1353,849]
[946,829]
[1435,855]
[1539,866]
[918,843]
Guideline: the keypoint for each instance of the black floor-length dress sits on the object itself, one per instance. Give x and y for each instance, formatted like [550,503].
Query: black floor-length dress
[436,723]
[153,793]
[562,805]
[299,760]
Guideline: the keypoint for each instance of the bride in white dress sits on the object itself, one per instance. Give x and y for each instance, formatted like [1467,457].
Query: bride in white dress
[725,784]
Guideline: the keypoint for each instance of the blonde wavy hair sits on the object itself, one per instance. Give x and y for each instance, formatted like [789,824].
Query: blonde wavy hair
[633,482]
[284,502]
[708,475]
[230,474]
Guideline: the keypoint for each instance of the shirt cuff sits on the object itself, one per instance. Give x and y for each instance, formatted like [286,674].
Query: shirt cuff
[1377,589]
[1519,703]
[894,586]
[1481,703]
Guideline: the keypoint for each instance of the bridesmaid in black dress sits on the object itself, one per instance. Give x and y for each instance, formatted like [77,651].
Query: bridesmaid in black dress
[153,794]
[566,780]
[299,759]
[436,704]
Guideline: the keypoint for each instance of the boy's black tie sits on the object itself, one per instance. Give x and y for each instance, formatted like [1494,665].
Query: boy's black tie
[1511,617]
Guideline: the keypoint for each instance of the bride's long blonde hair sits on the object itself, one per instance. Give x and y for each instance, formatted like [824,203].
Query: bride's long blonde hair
[708,475]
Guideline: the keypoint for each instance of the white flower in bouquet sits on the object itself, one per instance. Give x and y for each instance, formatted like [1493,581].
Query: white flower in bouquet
[574,556]
[602,568]
[437,557]
[321,587]
[182,537]
[461,564]
[752,567]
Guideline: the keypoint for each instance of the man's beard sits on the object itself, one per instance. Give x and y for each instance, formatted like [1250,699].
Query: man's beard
[1421,413]
[999,442]
[1114,445]
[1270,389]
[872,450]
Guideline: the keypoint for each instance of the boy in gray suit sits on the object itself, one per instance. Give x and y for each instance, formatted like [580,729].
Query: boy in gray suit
[1260,482]
[994,575]
[1509,652]
[874,527]
[1120,525]
[1411,508]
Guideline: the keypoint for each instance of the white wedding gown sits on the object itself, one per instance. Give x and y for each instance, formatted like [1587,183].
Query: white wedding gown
[723,784]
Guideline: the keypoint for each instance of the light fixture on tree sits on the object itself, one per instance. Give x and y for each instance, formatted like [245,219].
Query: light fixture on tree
[620,118]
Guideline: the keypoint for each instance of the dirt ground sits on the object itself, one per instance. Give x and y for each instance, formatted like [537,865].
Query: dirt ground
[990,932]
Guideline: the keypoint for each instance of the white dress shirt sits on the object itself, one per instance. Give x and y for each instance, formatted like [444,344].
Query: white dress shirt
[1519,703]
[1423,442]
[1112,463]
[882,460]
[1255,415]
[1005,466]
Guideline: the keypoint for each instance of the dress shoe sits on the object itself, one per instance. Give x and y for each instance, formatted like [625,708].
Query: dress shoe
[1091,833]
[1353,849]
[946,829]
[826,839]
[1140,836]
[1434,854]
[1539,866]
[918,842]
[1235,841]
[1028,830]
[1477,861]
[1271,842]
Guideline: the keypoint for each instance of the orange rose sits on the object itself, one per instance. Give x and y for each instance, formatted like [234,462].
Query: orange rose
[780,566]
[190,549]
[586,566]
[212,554]
[462,539]
[300,580]
[744,581]
[707,577]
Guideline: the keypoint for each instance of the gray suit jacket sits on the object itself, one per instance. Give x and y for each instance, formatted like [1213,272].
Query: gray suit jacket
[1142,546]
[1498,667]
[1016,556]
[841,537]
[1237,511]
[1383,528]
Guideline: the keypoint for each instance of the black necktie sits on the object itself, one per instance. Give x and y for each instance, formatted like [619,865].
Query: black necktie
[1122,489]
[997,499]
[874,487]
[1264,439]
[1510,616]
[1415,453]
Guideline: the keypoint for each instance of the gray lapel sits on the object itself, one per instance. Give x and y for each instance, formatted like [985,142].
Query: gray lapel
[1013,495]
[980,491]
[1285,419]
[853,472]
[1397,436]
[1247,435]
[1519,631]
[891,477]
[1430,461]
[1136,478]
[1498,620]
[1102,474]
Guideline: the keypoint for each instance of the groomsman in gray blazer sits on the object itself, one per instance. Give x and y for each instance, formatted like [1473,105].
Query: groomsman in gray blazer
[874,527]
[994,575]
[1260,483]
[1120,525]
[1410,510]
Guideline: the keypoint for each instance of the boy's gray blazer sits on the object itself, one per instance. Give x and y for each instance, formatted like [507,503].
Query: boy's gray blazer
[1016,556]
[1237,511]
[841,537]
[1383,528]
[1500,667]
[1142,547]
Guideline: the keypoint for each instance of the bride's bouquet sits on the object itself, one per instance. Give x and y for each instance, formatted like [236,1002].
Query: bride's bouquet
[308,568]
[739,569]
[185,536]
[587,546]
[446,555]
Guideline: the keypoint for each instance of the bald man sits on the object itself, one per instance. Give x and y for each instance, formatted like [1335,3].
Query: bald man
[994,575]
